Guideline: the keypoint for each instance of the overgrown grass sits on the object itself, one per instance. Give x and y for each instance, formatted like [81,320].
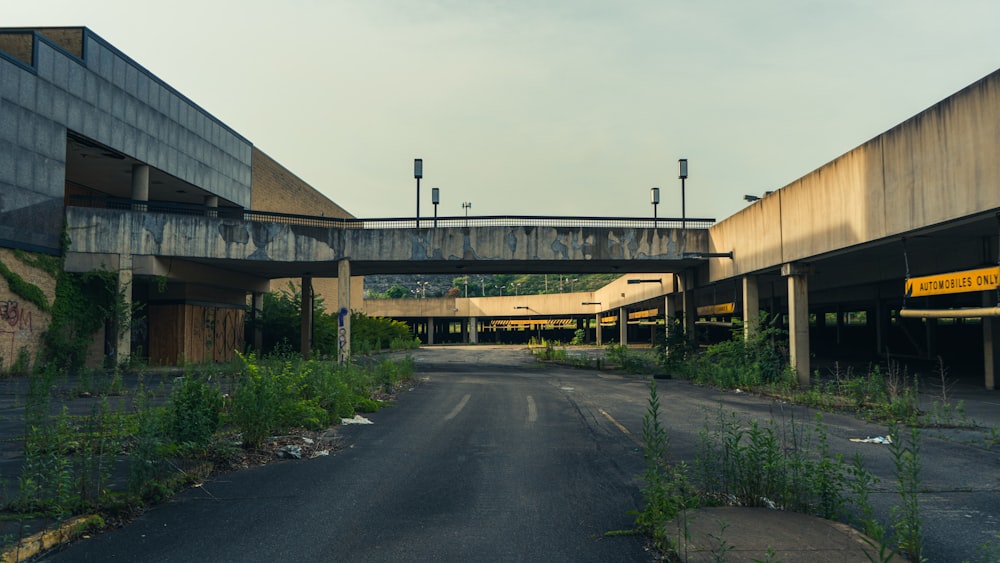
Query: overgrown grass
[177,435]
[783,464]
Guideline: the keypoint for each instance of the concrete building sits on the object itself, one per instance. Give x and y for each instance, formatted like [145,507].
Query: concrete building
[888,251]
[82,123]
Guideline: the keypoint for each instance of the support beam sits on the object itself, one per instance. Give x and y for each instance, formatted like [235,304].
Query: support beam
[430,330]
[690,306]
[344,310]
[623,326]
[140,185]
[798,321]
[473,330]
[991,344]
[123,327]
[597,329]
[751,306]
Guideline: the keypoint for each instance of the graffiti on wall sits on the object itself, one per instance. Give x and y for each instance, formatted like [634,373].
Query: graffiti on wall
[14,319]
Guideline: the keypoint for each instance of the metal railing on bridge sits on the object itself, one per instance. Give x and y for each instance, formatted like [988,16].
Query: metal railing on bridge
[239,213]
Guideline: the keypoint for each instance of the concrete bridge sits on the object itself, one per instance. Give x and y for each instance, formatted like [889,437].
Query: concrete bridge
[245,250]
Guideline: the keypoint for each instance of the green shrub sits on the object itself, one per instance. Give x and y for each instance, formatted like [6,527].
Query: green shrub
[194,409]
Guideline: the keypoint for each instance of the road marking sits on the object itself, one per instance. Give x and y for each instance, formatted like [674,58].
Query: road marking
[615,422]
[458,408]
[532,410]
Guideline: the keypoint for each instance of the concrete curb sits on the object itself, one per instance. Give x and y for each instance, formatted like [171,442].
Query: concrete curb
[43,541]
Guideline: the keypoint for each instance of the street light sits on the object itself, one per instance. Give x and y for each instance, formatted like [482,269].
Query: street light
[466,205]
[751,198]
[654,198]
[418,173]
[683,176]
[591,303]
[521,307]
[634,281]
[435,198]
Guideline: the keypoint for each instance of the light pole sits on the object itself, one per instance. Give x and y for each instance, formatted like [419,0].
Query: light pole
[683,176]
[654,198]
[466,205]
[418,173]
[435,198]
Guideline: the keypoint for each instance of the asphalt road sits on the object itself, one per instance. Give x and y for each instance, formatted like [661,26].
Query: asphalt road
[492,457]
[488,458]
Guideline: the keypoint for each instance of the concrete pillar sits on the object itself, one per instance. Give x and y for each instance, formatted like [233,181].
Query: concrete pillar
[991,343]
[140,185]
[212,203]
[430,330]
[689,304]
[344,310]
[798,320]
[123,331]
[669,312]
[597,329]
[257,310]
[473,330]
[751,306]
[881,326]
[623,326]
[305,346]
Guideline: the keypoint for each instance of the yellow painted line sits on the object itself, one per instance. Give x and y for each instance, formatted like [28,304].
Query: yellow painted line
[615,422]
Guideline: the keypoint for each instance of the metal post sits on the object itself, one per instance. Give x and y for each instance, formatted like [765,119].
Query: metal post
[418,173]
[683,176]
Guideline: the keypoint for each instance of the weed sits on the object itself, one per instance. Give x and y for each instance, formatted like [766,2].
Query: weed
[906,520]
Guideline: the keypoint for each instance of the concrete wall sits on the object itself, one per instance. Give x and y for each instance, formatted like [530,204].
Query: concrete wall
[938,166]
[22,322]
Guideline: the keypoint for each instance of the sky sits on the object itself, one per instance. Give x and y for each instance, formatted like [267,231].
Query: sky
[560,107]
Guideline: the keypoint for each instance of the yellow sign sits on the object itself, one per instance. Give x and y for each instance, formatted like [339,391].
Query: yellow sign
[983,279]
[719,309]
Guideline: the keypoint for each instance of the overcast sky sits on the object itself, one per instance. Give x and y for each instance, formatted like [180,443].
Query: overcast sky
[562,107]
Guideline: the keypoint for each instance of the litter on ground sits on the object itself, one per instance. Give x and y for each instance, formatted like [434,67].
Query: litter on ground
[876,440]
[358,419]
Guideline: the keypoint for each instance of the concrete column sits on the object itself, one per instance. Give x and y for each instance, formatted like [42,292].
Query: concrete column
[305,346]
[140,185]
[798,320]
[344,310]
[689,304]
[669,312]
[473,330]
[881,325]
[123,331]
[597,329]
[257,310]
[751,306]
[430,330]
[623,326]
[991,344]
[212,203]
